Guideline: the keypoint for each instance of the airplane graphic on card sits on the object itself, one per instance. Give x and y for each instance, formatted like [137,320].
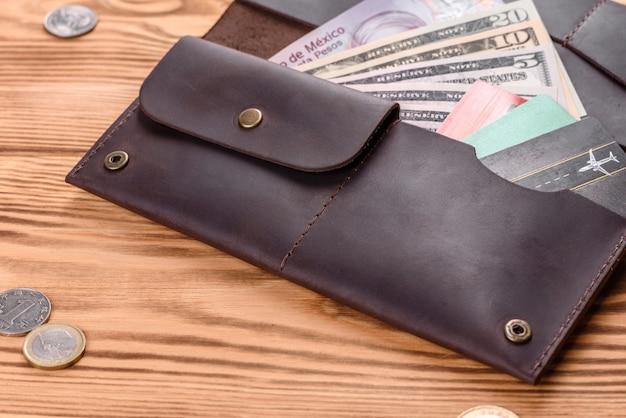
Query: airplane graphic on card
[595,165]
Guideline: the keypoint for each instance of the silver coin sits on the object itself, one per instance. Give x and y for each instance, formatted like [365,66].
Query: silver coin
[70,21]
[22,310]
[488,411]
[54,346]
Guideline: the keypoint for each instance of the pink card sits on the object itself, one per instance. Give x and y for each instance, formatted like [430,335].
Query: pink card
[482,104]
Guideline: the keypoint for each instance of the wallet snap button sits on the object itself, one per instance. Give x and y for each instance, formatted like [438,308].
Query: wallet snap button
[250,118]
[517,331]
[116,160]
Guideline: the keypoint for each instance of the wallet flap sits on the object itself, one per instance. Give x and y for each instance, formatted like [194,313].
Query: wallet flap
[304,123]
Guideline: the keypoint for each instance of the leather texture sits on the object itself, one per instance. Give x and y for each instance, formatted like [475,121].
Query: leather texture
[602,97]
[561,17]
[591,28]
[411,229]
[255,30]
[286,105]
[588,36]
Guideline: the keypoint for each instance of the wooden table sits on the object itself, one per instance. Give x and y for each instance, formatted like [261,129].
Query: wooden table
[176,328]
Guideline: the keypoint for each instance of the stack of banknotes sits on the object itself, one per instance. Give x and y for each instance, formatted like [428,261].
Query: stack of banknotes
[429,55]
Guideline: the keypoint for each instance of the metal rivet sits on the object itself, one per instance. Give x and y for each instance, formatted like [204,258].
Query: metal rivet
[517,331]
[116,160]
[250,118]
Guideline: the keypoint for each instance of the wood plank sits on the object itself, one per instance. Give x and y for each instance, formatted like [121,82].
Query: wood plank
[177,328]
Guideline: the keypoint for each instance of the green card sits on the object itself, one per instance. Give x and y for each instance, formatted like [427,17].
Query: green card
[536,117]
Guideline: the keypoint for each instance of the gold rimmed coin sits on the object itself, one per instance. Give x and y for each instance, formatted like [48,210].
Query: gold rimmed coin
[488,411]
[54,346]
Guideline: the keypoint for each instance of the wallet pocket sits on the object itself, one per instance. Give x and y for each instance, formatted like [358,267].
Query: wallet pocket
[582,156]
[323,186]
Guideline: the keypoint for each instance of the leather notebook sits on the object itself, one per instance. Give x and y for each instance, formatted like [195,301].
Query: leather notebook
[325,187]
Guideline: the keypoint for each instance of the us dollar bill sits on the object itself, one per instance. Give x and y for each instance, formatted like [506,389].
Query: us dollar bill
[425,117]
[523,35]
[428,104]
[529,66]
[441,95]
[498,17]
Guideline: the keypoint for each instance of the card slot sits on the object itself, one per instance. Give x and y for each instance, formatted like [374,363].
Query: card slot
[583,157]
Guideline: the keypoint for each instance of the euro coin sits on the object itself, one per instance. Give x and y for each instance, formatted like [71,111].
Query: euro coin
[22,310]
[54,346]
[488,411]
[70,21]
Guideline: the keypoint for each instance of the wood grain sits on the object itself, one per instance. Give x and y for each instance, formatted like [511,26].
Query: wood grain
[177,328]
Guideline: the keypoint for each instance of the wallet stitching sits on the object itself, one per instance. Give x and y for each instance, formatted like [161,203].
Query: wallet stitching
[322,210]
[331,198]
[101,144]
[588,16]
[581,302]
[316,217]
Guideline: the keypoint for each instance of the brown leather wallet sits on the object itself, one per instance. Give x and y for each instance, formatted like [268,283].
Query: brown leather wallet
[324,186]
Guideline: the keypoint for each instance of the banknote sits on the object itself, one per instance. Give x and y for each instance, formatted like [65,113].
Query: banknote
[522,35]
[535,66]
[495,18]
[371,20]
[438,94]
[425,117]
[427,105]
